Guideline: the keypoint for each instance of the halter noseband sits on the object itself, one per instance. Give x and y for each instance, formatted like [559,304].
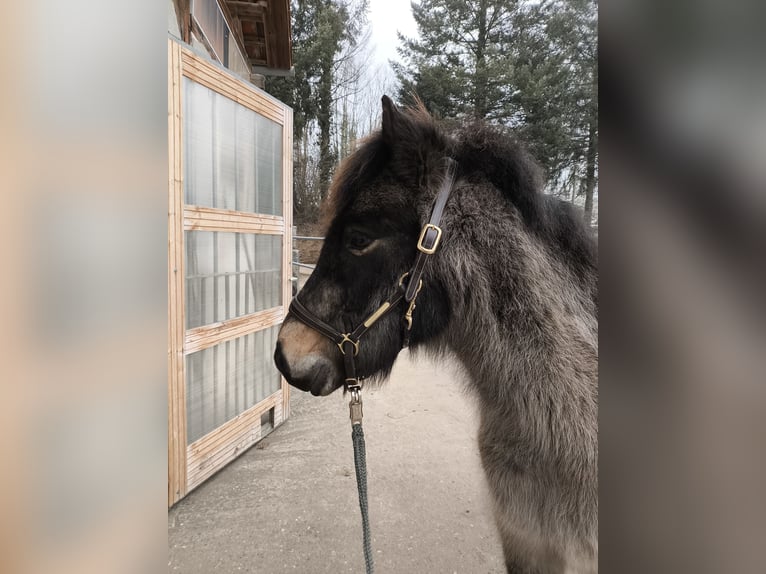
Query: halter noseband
[348,343]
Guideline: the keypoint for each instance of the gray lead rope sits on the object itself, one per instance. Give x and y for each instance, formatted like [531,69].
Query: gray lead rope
[357,435]
[360,466]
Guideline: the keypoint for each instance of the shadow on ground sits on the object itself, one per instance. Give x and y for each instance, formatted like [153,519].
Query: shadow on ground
[289,504]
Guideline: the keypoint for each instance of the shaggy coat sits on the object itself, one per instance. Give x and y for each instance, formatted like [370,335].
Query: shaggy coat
[511,292]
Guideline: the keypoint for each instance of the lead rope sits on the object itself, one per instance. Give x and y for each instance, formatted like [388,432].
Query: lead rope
[360,465]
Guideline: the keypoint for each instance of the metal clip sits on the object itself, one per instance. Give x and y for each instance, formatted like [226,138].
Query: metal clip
[355,406]
[408,314]
[411,308]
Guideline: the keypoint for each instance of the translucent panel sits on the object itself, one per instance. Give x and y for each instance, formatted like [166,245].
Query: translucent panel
[198,144]
[224,153]
[233,155]
[226,380]
[231,274]
[211,20]
[269,166]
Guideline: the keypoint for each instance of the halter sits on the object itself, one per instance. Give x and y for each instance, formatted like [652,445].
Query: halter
[348,343]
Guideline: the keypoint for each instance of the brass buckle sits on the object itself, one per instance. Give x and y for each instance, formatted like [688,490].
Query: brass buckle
[429,250]
[346,338]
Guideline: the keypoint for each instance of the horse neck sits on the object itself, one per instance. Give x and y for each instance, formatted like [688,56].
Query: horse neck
[521,322]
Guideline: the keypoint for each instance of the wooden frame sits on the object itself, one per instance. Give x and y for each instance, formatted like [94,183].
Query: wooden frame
[189,465]
[176,364]
[209,219]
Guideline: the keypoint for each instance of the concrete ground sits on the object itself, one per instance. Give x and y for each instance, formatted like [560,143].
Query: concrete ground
[290,503]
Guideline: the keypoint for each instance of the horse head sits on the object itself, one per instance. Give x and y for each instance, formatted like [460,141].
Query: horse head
[380,199]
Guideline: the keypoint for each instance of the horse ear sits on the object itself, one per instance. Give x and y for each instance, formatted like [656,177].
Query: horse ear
[392,119]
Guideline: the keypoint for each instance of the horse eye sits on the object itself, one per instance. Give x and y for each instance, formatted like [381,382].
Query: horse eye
[357,240]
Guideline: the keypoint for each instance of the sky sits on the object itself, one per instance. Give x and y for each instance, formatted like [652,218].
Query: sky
[386,18]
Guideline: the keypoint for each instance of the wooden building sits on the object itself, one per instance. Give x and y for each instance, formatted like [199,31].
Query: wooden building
[229,231]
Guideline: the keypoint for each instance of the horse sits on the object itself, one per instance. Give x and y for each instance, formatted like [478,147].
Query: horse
[511,292]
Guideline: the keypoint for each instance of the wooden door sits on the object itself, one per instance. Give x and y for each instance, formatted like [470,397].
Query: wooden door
[229,246]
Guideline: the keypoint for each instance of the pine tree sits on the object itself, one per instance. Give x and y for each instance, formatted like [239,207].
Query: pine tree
[556,76]
[458,65]
[529,66]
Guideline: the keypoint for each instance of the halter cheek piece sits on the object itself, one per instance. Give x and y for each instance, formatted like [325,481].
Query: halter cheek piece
[408,289]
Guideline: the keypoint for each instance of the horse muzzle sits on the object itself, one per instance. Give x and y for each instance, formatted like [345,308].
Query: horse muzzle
[306,367]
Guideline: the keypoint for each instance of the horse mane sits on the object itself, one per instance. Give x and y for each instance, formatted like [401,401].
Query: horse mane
[504,161]
[481,151]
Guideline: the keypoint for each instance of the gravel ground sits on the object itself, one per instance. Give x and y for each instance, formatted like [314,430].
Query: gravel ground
[289,504]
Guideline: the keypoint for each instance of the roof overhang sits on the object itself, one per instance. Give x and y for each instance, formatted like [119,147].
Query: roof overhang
[262,29]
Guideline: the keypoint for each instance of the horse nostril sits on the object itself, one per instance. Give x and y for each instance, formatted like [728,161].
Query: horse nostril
[280,361]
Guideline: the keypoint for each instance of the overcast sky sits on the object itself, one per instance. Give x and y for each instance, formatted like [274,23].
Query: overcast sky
[386,18]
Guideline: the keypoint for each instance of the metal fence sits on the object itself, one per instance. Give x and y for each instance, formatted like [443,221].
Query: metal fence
[301,271]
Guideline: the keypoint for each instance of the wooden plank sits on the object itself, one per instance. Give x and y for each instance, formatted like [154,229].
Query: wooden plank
[229,214]
[193,62]
[200,461]
[183,11]
[172,475]
[180,275]
[229,227]
[214,440]
[180,318]
[201,469]
[209,219]
[278,414]
[223,82]
[228,89]
[214,450]
[173,482]
[177,479]
[247,6]
[287,245]
[210,335]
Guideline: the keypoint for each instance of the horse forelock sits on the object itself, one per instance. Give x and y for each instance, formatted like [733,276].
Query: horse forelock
[359,168]
[418,131]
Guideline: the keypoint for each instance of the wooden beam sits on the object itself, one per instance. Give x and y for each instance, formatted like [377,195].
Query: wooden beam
[287,245]
[176,376]
[243,4]
[278,34]
[222,81]
[207,336]
[209,453]
[211,219]
[246,10]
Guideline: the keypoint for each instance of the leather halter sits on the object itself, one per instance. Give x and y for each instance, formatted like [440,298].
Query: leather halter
[348,343]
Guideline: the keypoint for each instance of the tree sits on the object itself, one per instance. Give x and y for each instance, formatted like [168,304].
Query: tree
[556,76]
[458,65]
[529,66]
[326,35]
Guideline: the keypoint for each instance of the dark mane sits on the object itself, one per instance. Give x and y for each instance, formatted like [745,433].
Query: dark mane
[505,163]
[481,151]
